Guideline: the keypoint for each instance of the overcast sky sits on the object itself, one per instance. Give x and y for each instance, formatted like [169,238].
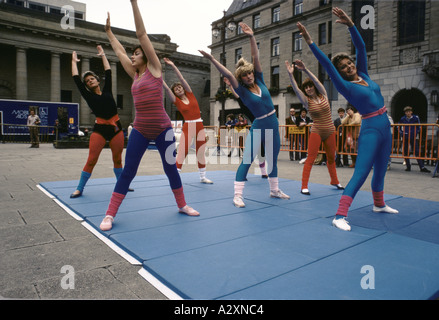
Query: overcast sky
[187,22]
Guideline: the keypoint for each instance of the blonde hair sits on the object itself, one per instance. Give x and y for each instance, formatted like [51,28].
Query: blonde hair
[243,67]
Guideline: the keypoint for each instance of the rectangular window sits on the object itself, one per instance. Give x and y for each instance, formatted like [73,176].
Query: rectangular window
[411,21]
[275,47]
[238,55]
[37,7]
[276,15]
[298,7]
[322,33]
[274,77]
[256,21]
[297,41]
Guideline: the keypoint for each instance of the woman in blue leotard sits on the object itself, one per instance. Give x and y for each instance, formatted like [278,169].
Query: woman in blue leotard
[375,140]
[248,83]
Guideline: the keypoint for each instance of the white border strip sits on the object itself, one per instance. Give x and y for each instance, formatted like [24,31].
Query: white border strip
[111,244]
[47,193]
[67,209]
[159,285]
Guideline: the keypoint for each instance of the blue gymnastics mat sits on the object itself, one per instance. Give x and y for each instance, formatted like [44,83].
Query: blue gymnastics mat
[270,250]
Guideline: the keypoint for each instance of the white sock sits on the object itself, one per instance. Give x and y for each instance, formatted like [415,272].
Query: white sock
[202,173]
[274,183]
[239,188]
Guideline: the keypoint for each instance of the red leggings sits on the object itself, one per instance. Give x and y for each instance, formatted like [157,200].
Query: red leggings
[313,149]
[192,130]
[97,143]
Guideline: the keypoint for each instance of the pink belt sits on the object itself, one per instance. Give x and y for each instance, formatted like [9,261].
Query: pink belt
[375,113]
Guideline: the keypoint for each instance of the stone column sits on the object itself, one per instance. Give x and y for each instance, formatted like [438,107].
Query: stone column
[84,110]
[21,74]
[55,77]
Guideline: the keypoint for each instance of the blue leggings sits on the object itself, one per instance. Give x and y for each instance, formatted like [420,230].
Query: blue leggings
[137,145]
[265,131]
[374,148]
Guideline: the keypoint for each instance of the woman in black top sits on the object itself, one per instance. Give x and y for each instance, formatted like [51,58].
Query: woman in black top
[107,125]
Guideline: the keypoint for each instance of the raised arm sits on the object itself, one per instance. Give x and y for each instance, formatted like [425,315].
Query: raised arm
[180,77]
[360,46]
[253,45]
[320,87]
[335,76]
[105,62]
[75,61]
[154,64]
[169,92]
[299,93]
[223,70]
[119,50]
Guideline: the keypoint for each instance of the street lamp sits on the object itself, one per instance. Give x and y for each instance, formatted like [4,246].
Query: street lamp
[434,98]
[220,30]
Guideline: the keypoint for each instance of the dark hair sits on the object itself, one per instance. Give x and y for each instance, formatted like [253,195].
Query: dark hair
[145,59]
[90,73]
[309,83]
[175,85]
[340,110]
[338,57]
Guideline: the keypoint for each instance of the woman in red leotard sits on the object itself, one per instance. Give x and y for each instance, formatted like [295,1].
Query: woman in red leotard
[184,99]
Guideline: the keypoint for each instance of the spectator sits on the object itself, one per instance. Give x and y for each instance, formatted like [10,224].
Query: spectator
[302,122]
[337,124]
[290,135]
[409,136]
[352,133]
[33,121]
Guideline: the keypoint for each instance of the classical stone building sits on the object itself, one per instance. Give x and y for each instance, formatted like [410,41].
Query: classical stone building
[402,39]
[36,43]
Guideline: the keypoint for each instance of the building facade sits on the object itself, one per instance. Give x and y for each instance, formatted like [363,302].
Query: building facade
[36,44]
[402,39]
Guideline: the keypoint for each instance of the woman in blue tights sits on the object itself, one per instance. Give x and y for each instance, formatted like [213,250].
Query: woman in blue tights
[248,83]
[375,140]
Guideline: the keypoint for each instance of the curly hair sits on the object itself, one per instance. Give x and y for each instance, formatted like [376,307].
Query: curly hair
[243,67]
[338,57]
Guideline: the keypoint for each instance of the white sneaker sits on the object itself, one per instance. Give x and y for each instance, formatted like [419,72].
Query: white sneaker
[189,211]
[342,224]
[238,201]
[279,194]
[386,208]
[107,223]
[302,161]
[206,181]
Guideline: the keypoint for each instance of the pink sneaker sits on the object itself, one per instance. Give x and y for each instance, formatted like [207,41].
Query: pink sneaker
[107,223]
[189,211]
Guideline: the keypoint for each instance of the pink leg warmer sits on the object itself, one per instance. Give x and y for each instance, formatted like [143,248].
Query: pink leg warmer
[115,202]
[378,199]
[343,207]
[179,197]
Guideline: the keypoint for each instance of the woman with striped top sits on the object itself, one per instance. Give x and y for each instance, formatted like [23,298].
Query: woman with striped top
[151,121]
[313,96]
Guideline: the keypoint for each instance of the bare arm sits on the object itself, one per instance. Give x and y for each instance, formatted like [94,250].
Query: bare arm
[105,62]
[180,77]
[154,64]
[119,50]
[254,46]
[75,61]
[169,92]
[302,97]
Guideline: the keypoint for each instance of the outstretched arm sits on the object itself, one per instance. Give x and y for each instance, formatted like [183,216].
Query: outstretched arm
[223,70]
[119,49]
[154,64]
[169,92]
[105,62]
[360,46]
[180,77]
[253,45]
[299,93]
[75,61]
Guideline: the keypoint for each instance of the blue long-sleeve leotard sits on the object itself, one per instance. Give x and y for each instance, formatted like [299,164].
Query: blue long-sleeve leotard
[366,99]
[375,141]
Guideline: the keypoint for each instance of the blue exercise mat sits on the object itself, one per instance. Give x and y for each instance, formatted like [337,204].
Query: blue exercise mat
[271,249]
